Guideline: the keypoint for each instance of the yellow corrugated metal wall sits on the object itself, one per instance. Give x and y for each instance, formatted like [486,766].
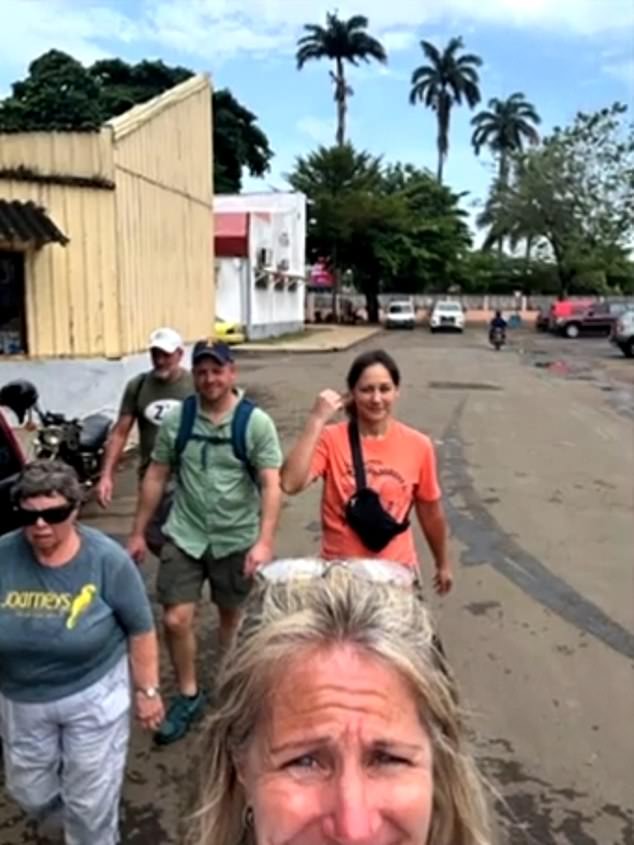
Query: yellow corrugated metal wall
[70,306]
[140,255]
[164,196]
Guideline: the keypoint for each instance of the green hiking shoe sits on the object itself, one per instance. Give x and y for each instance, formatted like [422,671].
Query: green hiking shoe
[181,714]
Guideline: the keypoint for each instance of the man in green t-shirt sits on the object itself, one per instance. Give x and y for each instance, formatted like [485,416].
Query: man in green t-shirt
[222,525]
[147,400]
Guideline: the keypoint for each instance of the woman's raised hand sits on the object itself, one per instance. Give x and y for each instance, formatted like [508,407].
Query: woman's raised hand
[327,404]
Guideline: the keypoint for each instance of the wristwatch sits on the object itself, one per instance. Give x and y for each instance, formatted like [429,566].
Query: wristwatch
[149,692]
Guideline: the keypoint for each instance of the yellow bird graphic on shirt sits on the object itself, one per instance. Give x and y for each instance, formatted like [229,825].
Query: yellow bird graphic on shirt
[80,604]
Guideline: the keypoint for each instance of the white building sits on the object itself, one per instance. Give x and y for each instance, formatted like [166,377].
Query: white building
[260,244]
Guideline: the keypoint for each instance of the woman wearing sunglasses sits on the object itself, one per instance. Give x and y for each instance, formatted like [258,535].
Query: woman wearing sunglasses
[75,622]
[375,470]
[337,720]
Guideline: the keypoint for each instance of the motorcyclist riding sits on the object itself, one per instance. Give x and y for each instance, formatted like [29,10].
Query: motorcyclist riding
[498,322]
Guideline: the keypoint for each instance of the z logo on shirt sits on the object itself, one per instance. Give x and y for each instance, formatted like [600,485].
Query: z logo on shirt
[156,412]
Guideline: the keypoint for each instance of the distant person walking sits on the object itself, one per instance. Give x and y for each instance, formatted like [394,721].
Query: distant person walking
[225,455]
[147,400]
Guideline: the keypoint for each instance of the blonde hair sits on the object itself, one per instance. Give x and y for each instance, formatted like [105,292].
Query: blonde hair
[386,621]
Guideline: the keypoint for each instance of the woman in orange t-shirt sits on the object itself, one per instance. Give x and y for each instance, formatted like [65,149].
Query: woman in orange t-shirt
[399,463]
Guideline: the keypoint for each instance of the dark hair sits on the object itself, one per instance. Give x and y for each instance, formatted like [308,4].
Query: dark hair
[369,359]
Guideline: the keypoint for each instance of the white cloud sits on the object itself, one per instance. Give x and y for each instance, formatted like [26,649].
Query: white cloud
[622,70]
[280,18]
[31,27]
[318,129]
[213,30]
[395,40]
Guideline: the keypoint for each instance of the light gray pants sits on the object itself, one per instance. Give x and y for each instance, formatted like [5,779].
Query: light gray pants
[68,757]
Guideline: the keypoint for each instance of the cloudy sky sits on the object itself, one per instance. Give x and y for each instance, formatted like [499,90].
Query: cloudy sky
[565,55]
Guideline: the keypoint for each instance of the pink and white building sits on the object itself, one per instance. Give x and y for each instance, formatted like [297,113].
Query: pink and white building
[260,248]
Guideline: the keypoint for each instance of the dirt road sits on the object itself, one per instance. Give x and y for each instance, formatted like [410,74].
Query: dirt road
[538,471]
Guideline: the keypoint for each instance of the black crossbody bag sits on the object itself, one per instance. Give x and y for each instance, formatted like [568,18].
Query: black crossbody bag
[365,514]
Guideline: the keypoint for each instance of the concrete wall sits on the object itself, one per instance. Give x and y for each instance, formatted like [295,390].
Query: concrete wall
[277,308]
[79,386]
[231,289]
[273,298]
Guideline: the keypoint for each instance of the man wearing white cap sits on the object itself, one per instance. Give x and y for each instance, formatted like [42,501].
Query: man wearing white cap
[146,400]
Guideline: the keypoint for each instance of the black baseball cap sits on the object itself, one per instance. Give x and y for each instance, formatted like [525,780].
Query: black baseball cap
[219,352]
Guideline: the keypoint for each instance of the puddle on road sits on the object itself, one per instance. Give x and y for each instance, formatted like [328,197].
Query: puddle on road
[620,396]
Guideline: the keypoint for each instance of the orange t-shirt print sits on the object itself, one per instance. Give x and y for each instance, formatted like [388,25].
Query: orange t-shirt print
[400,467]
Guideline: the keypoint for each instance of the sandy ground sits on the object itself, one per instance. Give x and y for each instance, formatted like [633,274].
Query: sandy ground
[536,448]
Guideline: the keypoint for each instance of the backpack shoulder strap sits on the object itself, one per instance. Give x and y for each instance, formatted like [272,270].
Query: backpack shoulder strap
[138,387]
[239,426]
[186,425]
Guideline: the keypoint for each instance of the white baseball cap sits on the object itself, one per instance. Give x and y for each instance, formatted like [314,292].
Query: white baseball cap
[167,340]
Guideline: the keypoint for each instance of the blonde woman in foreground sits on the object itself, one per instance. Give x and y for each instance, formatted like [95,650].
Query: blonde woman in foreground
[336,721]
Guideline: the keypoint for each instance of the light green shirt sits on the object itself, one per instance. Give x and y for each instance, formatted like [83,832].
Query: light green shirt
[217,506]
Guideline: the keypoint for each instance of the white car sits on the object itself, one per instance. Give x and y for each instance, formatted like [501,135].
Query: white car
[400,314]
[447,315]
[623,333]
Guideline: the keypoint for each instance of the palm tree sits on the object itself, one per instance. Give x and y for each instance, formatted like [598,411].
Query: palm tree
[342,41]
[446,81]
[504,128]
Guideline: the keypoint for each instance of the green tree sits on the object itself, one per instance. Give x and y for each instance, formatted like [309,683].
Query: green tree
[434,236]
[504,128]
[393,227]
[61,94]
[124,86]
[340,41]
[239,143]
[58,94]
[448,80]
[575,192]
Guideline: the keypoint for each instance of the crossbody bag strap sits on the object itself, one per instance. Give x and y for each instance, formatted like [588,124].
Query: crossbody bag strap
[357,455]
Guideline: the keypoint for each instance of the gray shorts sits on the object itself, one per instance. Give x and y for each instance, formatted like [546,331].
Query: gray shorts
[181,578]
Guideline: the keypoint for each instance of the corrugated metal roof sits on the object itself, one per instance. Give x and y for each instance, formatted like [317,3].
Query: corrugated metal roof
[25,222]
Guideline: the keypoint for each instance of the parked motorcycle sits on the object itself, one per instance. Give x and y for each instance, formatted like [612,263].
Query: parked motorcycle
[497,337]
[80,443]
[11,463]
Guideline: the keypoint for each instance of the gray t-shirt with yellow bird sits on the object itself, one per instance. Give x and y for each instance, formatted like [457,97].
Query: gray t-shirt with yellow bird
[63,628]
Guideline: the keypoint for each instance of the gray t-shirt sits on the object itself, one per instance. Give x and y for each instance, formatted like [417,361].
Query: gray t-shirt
[149,399]
[62,628]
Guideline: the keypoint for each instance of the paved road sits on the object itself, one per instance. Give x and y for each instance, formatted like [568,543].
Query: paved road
[538,466]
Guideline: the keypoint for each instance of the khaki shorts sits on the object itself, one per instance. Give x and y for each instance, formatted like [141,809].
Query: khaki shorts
[181,578]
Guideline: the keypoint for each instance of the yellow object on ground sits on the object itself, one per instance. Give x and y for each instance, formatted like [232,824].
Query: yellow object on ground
[228,332]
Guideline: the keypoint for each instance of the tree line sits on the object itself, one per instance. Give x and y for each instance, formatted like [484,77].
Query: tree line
[567,197]
[560,211]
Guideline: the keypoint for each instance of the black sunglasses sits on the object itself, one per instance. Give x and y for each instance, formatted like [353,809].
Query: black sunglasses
[51,516]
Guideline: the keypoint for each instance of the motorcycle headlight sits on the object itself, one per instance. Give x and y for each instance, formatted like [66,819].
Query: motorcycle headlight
[52,439]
